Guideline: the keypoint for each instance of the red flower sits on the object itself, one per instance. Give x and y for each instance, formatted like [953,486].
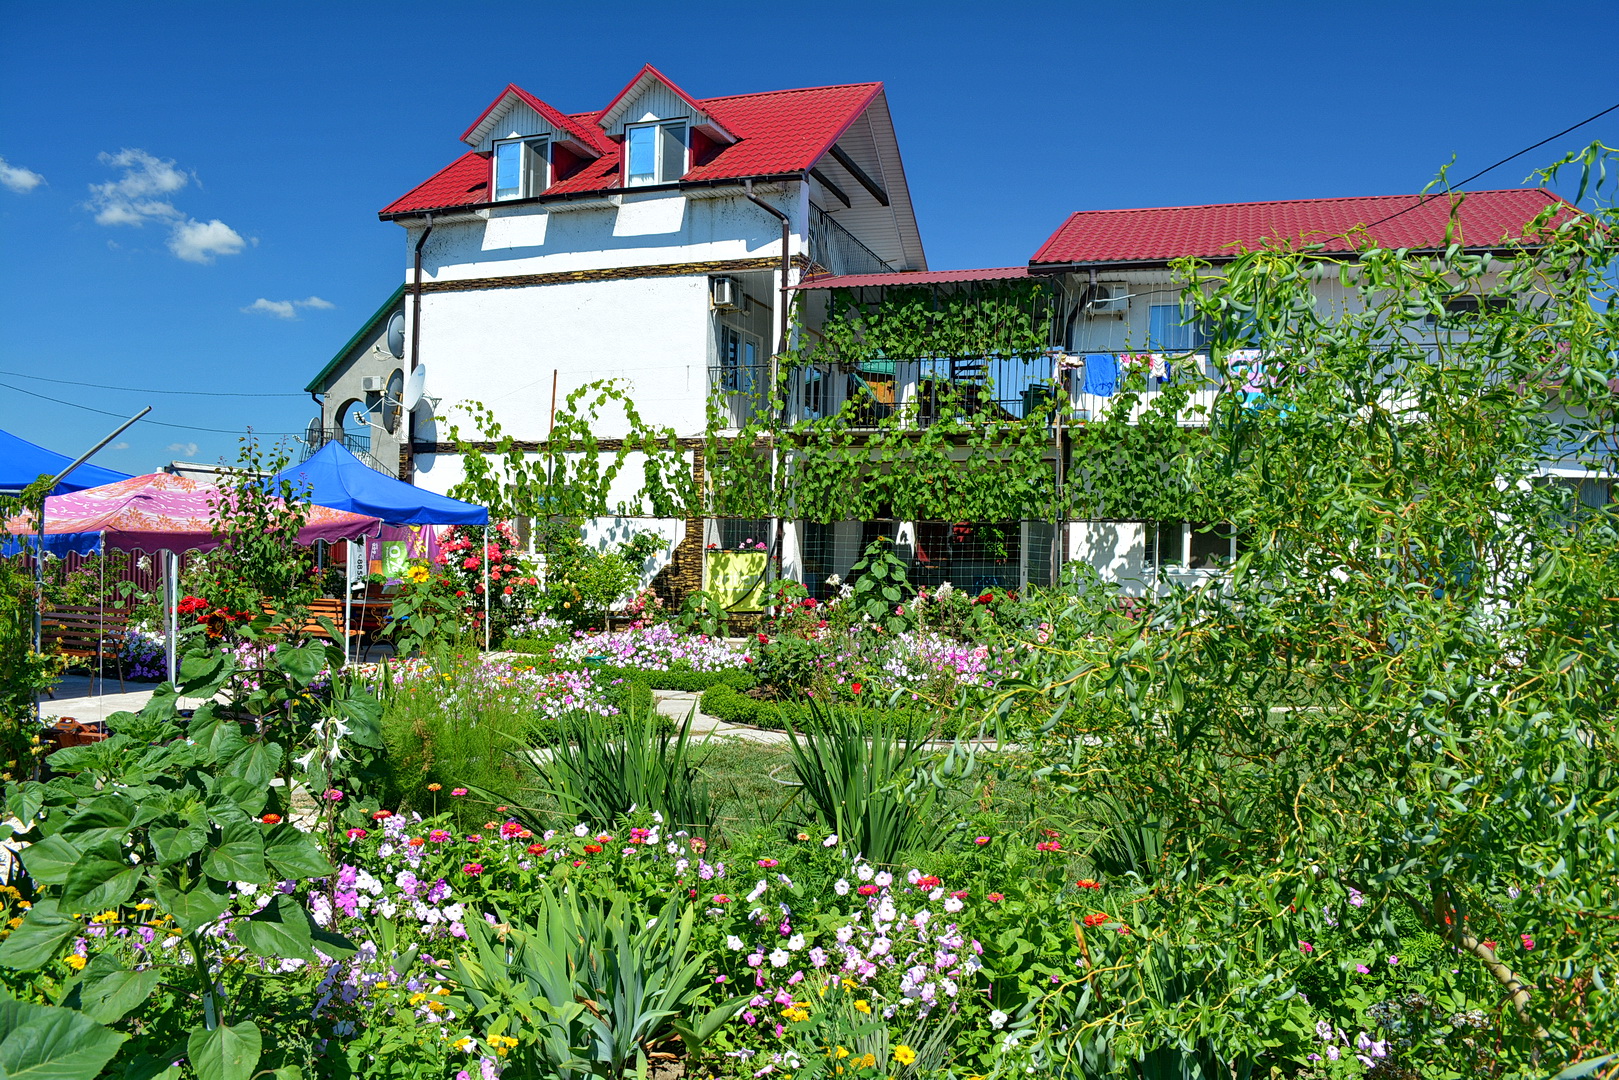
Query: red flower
[1096,918]
[996,897]
[271,819]
[1087,883]
[382,815]
[928,881]
[867,890]
[472,868]
[416,841]
[1051,834]
[1048,845]
[592,848]
[536,849]
[808,602]
[855,687]
[357,834]
[763,639]
[960,894]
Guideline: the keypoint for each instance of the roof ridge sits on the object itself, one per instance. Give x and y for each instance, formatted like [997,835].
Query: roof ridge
[1318,199]
[793,90]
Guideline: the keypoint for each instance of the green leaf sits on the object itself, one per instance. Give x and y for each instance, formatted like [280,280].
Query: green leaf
[293,854]
[239,856]
[42,934]
[108,991]
[49,860]
[44,1042]
[303,664]
[334,944]
[282,928]
[255,763]
[24,801]
[108,817]
[174,839]
[203,672]
[103,878]
[194,906]
[225,1053]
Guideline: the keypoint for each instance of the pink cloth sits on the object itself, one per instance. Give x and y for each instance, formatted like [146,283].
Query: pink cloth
[159,511]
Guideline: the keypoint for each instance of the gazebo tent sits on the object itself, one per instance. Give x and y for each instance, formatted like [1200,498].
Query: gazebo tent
[336,478]
[22,462]
[156,512]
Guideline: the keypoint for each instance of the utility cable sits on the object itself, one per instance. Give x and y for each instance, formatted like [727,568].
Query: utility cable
[1489,168]
[142,389]
[154,423]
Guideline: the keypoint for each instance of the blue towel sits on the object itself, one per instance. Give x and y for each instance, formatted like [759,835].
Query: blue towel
[1101,374]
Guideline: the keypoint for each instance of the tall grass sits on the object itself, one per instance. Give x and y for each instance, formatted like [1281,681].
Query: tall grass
[862,781]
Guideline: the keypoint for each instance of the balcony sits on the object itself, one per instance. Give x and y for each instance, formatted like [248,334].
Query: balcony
[837,250]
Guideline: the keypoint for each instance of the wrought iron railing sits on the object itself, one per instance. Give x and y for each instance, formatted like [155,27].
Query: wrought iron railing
[316,438]
[839,251]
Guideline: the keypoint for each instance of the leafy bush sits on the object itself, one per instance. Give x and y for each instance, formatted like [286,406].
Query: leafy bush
[881,586]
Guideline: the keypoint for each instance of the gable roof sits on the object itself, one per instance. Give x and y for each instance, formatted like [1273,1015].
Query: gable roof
[778,134]
[316,384]
[1158,234]
[616,108]
[586,137]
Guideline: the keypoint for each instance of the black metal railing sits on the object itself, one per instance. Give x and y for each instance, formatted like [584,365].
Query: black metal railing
[838,250]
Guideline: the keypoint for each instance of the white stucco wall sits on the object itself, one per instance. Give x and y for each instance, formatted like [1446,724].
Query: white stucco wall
[1117,549]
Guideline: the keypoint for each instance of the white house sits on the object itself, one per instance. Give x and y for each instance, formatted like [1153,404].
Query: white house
[651,240]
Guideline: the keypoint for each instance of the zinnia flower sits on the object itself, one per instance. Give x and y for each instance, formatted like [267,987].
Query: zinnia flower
[536,849]
[1096,918]
[357,834]
[458,791]
[592,848]
[333,795]
[439,836]
[435,787]
[1088,883]
[271,819]
[472,868]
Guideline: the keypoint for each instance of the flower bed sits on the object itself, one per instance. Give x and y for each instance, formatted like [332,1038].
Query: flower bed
[655,648]
[549,692]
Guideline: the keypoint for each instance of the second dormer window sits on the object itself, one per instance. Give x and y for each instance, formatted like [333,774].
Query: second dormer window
[522,168]
[654,153]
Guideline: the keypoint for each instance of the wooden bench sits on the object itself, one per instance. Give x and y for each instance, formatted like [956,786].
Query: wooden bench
[327,608]
[85,630]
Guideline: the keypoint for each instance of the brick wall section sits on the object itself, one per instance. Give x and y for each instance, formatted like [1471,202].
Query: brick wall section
[684,574]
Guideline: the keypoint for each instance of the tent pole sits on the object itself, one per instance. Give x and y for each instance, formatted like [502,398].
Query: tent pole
[348,595]
[486,588]
[171,603]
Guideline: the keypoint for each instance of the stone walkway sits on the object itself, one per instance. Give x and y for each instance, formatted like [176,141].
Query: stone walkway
[676,704]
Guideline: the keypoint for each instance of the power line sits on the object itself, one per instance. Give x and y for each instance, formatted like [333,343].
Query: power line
[1490,168]
[155,423]
[141,389]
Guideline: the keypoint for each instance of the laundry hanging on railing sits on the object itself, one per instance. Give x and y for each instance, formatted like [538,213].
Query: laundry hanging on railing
[1101,374]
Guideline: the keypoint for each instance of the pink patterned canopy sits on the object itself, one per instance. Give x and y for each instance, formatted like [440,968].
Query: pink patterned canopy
[159,511]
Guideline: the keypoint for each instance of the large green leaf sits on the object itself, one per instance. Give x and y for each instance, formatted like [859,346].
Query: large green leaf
[42,934]
[193,906]
[303,664]
[48,860]
[107,990]
[202,673]
[282,928]
[44,1042]
[293,854]
[225,1053]
[255,763]
[103,878]
[108,816]
[24,801]
[175,838]
[239,856]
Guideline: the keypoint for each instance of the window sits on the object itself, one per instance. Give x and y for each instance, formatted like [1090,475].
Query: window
[815,391]
[1190,545]
[654,153]
[522,168]
[1461,310]
[739,360]
[1171,328]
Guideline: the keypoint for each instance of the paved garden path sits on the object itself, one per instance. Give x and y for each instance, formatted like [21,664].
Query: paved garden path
[675,704]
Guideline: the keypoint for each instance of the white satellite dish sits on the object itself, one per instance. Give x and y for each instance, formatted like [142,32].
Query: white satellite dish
[415,387]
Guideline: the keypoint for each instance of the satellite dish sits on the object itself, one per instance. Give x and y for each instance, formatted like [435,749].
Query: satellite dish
[396,335]
[314,433]
[391,401]
[415,386]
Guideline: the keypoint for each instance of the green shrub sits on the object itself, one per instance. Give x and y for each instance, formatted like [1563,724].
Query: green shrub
[726,701]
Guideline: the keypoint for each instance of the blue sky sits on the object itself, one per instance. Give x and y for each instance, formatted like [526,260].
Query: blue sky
[168,165]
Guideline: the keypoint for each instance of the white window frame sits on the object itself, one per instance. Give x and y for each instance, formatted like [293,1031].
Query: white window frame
[738,376]
[530,181]
[657,175]
[1155,529]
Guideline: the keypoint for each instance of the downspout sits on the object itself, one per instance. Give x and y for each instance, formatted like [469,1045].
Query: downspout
[781,348]
[415,347]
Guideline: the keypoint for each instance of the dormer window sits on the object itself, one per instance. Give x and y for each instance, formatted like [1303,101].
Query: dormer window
[522,168]
[654,153]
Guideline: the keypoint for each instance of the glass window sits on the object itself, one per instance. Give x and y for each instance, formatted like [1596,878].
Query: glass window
[739,360]
[642,155]
[508,170]
[654,154]
[1211,546]
[1167,544]
[1170,328]
[671,152]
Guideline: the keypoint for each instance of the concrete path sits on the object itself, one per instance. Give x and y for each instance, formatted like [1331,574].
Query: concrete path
[676,704]
[76,696]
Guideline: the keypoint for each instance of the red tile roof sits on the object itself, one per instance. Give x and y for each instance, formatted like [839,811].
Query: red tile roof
[924,277]
[1158,234]
[782,131]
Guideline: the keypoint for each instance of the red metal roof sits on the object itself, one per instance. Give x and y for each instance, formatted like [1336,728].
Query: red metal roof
[1158,234]
[919,277]
[782,131]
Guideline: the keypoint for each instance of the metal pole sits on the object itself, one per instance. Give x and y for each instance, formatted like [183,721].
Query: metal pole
[486,588]
[348,594]
[171,602]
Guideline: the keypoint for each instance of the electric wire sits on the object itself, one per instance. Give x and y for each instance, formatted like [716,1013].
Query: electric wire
[143,389]
[154,423]
[1490,168]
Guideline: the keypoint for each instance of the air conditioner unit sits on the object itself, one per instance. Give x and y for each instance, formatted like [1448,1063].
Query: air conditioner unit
[725,293]
[1107,301]
[373,384]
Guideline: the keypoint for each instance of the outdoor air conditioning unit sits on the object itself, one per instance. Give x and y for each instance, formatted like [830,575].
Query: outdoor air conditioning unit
[1106,301]
[373,384]
[725,293]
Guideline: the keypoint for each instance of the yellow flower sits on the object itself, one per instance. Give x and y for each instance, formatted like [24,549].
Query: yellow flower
[16,922]
[417,999]
[143,907]
[418,574]
[380,986]
[904,1055]
[869,1061]
[796,1014]
[462,1043]
[842,1053]
[75,962]
[864,1006]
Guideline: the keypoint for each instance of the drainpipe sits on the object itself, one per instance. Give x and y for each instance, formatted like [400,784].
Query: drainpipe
[781,346]
[415,346]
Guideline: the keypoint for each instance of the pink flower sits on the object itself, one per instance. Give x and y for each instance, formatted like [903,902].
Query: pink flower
[472,868]
[1528,942]
[459,791]
[1363,969]
[1306,948]
[981,841]
[357,834]
[767,863]
[333,795]
[439,836]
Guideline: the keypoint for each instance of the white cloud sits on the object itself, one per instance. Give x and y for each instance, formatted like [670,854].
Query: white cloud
[120,446]
[145,193]
[287,309]
[200,241]
[19,179]
[189,449]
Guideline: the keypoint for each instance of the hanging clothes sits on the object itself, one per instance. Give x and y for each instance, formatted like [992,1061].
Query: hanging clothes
[1101,374]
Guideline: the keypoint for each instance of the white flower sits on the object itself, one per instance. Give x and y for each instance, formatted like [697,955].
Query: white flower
[657,817]
[841,887]
[795,943]
[880,946]
[998,1019]
[779,958]
[672,848]
[581,829]
[733,942]
[758,891]
[884,879]
[953,905]
[830,841]
[844,934]
[863,872]
[914,876]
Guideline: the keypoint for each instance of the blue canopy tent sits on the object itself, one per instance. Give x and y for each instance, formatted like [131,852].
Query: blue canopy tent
[337,479]
[21,463]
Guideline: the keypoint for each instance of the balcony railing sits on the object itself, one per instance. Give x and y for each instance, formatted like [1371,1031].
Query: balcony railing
[316,438]
[838,250]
